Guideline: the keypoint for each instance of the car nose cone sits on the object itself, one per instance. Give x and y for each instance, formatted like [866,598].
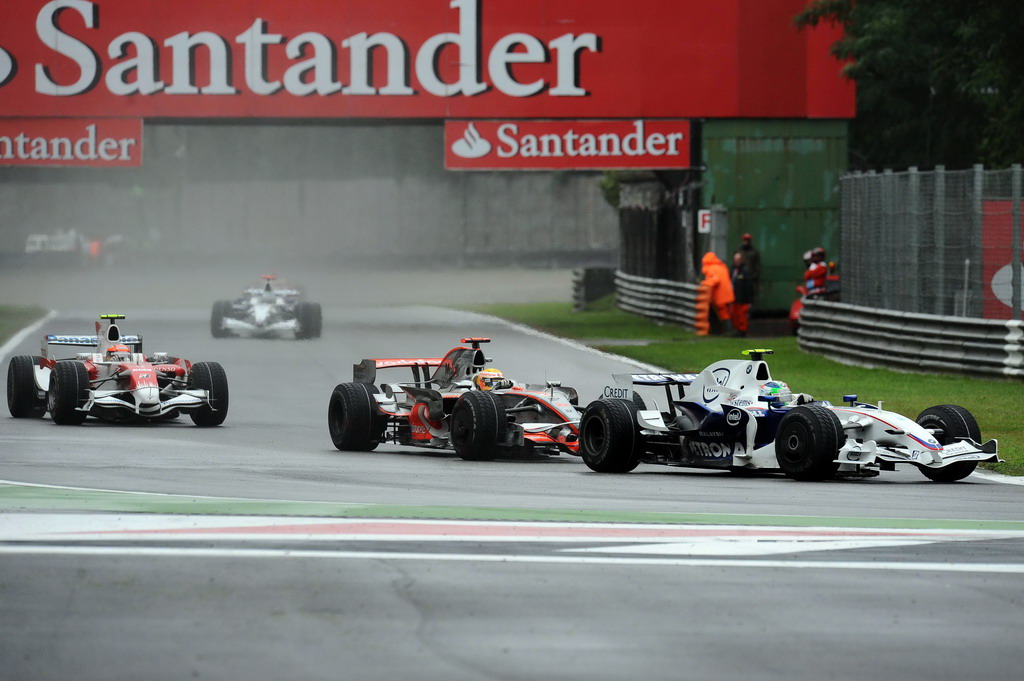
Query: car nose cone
[147,396]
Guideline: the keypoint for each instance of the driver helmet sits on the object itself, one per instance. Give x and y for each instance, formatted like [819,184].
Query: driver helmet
[489,379]
[119,353]
[777,389]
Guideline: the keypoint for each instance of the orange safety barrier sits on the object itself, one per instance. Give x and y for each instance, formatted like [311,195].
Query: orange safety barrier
[702,308]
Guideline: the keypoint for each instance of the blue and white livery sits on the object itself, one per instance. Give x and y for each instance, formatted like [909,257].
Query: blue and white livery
[733,415]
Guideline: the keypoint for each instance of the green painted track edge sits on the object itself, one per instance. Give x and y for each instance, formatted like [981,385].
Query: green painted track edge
[26,498]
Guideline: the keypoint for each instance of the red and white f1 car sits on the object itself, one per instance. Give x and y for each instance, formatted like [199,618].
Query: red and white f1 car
[267,311]
[114,381]
[734,416]
[452,401]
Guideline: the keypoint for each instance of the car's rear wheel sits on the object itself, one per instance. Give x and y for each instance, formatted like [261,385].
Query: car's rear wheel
[209,376]
[68,390]
[353,418]
[948,423]
[221,310]
[23,399]
[808,443]
[610,438]
[478,424]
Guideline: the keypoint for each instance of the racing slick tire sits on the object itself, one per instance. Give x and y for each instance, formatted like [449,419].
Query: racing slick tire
[808,443]
[69,390]
[949,422]
[478,424]
[209,376]
[311,320]
[23,400]
[353,419]
[610,438]
[221,309]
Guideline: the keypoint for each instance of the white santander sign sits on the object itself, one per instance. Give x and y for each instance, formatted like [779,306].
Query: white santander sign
[577,144]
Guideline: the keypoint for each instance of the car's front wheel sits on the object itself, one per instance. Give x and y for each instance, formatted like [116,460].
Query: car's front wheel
[808,443]
[352,417]
[948,423]
[23,399]
[68,390]
[210,376]
[310,318]
[610,438]
[221,310]
[478,424]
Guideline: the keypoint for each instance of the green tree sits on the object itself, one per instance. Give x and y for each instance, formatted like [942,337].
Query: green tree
[937,82]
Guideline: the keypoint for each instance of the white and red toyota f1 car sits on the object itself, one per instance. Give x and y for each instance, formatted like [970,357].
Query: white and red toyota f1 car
[452,401]
[267,311]
[734,416]
[114,381]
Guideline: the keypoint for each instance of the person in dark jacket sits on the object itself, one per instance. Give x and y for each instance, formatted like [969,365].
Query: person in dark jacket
[743,294]
[752,257]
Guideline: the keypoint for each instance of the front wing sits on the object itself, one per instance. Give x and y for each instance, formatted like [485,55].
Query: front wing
[244,328]
[102,400]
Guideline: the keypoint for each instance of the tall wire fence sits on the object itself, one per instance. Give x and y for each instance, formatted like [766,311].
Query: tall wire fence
[938,242]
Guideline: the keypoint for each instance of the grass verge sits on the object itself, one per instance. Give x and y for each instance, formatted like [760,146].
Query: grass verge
[14,318]
[996,404]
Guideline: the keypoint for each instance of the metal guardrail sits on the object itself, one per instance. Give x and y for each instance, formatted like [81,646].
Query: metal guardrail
[590,284]
[871,337]
[853,334]
[662,300]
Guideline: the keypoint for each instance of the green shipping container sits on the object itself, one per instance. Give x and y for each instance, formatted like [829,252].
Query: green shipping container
[778,180]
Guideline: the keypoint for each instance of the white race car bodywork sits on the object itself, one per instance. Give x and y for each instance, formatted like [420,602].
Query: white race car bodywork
[874,435]
[242,327]
[267,312]
[109,377]
[147,400]
[720,418]
[262,313]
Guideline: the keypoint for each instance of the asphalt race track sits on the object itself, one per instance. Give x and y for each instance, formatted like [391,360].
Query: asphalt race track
[256,550]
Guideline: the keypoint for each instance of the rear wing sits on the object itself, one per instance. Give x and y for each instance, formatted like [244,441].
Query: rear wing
[459,363]
[662,379]
[134,342]
[422,368]
[277,291]
[622,385]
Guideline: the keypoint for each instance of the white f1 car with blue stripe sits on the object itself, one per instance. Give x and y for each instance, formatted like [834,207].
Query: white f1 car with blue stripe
[734,416]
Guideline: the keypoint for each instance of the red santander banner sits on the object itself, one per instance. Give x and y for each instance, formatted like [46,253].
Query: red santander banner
[561,144]
[426,59]
[997,270]
[110,142]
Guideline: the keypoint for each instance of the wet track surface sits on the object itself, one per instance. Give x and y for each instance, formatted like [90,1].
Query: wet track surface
[256,550]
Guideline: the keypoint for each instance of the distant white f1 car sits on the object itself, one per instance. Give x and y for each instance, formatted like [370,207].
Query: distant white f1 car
[112,379]
[267,311]
[734,416]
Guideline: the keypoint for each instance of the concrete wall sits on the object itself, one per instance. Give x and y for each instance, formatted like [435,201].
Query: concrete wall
[367,193]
